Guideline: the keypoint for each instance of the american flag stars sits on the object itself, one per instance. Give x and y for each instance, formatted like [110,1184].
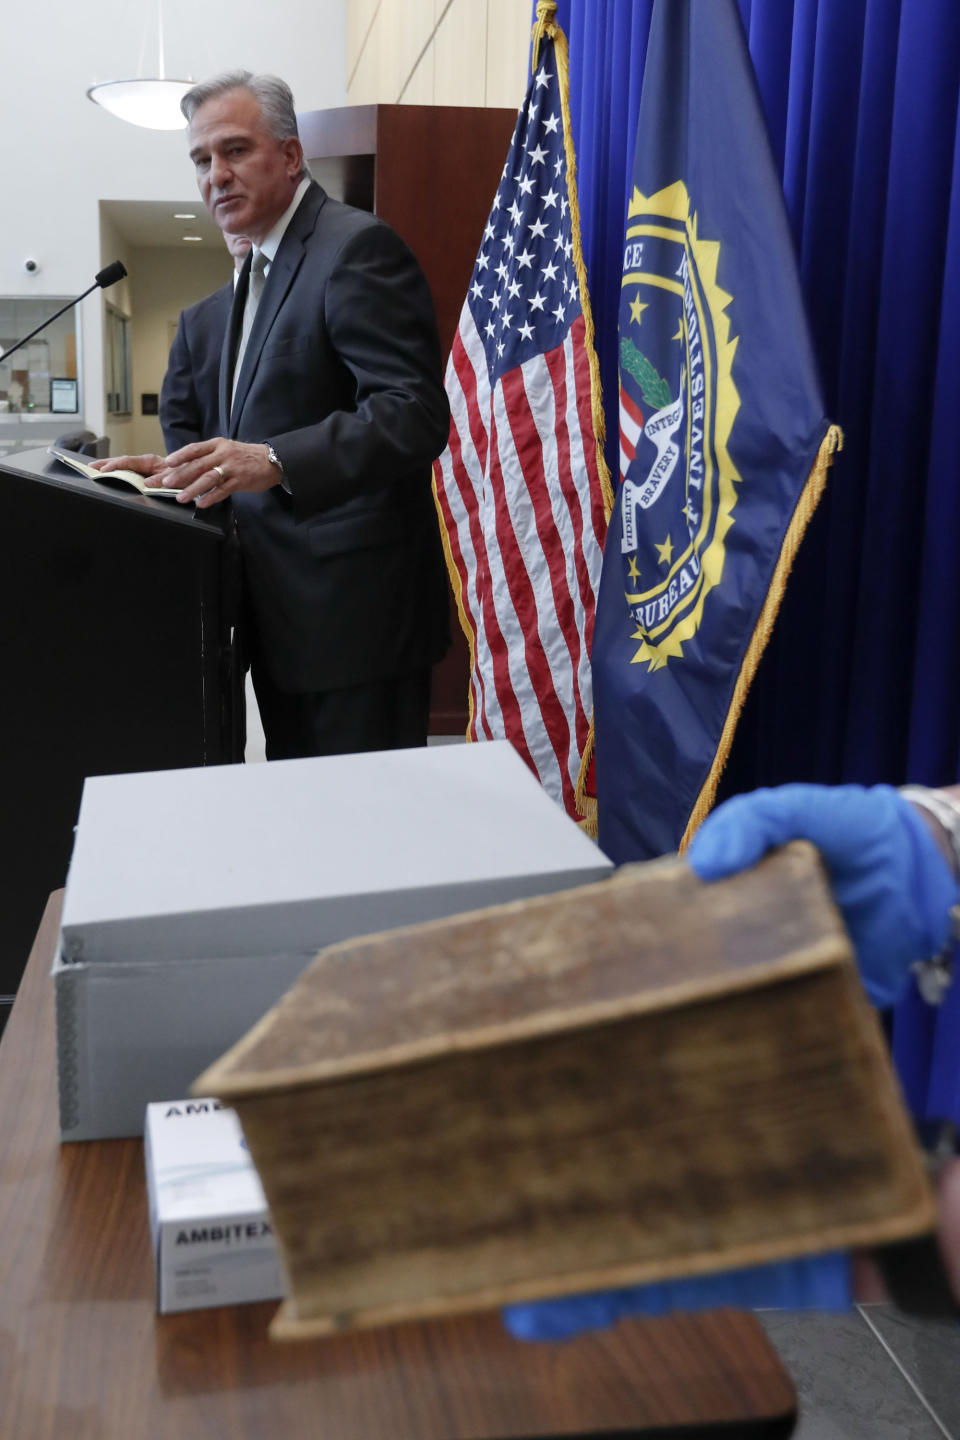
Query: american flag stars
[524,292]
[519,486]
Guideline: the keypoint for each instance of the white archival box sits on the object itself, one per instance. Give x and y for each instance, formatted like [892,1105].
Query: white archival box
[212,1238]
[196,897]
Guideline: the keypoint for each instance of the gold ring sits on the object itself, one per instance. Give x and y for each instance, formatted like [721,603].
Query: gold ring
[218,470]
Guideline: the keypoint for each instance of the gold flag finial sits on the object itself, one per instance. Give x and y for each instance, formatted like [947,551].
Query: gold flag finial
[546,10]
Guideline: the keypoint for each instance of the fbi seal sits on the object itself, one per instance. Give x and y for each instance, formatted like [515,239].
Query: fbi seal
[678,403]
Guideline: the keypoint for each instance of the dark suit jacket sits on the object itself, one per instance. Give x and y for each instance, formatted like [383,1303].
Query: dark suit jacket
[190,395]
[343,376]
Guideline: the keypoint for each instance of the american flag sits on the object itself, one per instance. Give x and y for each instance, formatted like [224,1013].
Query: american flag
[519,487]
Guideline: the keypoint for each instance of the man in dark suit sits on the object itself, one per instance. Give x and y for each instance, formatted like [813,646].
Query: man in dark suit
[332,409]
[190,395]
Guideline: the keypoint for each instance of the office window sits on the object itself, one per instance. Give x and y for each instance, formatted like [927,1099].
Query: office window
[25,387]
[119,372]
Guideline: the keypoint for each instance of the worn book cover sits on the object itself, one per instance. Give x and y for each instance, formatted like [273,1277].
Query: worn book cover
[638,1079]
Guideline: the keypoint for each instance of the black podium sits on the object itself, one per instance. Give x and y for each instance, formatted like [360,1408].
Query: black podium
[116,648]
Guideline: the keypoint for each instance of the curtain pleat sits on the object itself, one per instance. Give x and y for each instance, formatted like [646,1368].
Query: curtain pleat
[935,713]
[913,242]
[861,103]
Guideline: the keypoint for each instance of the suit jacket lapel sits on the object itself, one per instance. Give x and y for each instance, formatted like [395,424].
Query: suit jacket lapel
[283,271]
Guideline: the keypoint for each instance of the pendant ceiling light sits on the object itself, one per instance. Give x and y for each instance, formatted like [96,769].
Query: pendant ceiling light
[151,101]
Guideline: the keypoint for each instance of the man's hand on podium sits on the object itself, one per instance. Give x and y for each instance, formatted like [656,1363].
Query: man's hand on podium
[146,465]
[207,471]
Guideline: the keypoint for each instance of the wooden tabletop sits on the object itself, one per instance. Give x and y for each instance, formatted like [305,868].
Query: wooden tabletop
[83,1353]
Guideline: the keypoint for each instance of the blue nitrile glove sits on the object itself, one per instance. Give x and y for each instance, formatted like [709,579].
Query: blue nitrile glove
[819,1283]
[891,883]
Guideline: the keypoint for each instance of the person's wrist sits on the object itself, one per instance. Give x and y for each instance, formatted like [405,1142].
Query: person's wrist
[274,459]
[940,809]
[939,812]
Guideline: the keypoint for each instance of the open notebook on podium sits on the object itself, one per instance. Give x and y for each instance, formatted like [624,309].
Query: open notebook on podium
[122,477]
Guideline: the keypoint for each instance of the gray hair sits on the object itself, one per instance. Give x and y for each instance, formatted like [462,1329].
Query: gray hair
[272,94]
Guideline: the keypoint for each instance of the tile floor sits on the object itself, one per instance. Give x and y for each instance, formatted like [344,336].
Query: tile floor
[874,1374]
[254,749]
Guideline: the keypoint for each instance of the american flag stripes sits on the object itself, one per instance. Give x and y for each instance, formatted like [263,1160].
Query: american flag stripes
[521,489]
[631,424]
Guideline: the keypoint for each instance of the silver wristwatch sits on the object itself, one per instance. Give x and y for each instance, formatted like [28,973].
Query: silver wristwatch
[274,459]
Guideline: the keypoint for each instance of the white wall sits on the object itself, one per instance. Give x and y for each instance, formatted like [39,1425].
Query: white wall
[111,247]
[163,282]
[60,154]
[438,52]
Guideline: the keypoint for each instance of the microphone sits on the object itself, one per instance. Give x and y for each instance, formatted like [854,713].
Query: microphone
[109,275]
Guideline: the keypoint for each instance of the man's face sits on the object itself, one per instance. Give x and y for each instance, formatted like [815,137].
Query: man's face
[247,178]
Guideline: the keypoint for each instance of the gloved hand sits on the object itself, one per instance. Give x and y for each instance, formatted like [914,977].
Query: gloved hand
[891,883]
[894,889]
[819,1283]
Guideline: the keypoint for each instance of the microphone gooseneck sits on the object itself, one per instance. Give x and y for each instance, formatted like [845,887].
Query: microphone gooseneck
[109,275]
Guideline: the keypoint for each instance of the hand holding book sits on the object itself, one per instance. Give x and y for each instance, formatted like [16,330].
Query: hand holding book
[149,467]
[895,889]
[206,471]
[889,878]
[131,470]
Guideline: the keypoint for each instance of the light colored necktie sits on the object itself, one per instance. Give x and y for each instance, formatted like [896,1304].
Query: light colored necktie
[254,291]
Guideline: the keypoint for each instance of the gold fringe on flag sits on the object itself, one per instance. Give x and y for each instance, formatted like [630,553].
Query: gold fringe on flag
[544,24]
[812,490]
[457,586]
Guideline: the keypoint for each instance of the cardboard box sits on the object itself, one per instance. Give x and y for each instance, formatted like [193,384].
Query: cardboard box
[195,898]
[212,1237]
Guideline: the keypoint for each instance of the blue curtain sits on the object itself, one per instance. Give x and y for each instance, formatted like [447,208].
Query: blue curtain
[861,680]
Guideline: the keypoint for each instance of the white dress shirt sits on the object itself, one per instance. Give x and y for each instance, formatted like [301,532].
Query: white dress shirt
[269,248]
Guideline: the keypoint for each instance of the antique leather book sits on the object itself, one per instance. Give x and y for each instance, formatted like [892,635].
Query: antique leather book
[642,1078]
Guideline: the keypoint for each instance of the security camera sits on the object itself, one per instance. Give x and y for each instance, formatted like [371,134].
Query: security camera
[31,266]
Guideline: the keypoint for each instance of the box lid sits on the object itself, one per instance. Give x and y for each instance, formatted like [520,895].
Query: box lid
[286,857]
